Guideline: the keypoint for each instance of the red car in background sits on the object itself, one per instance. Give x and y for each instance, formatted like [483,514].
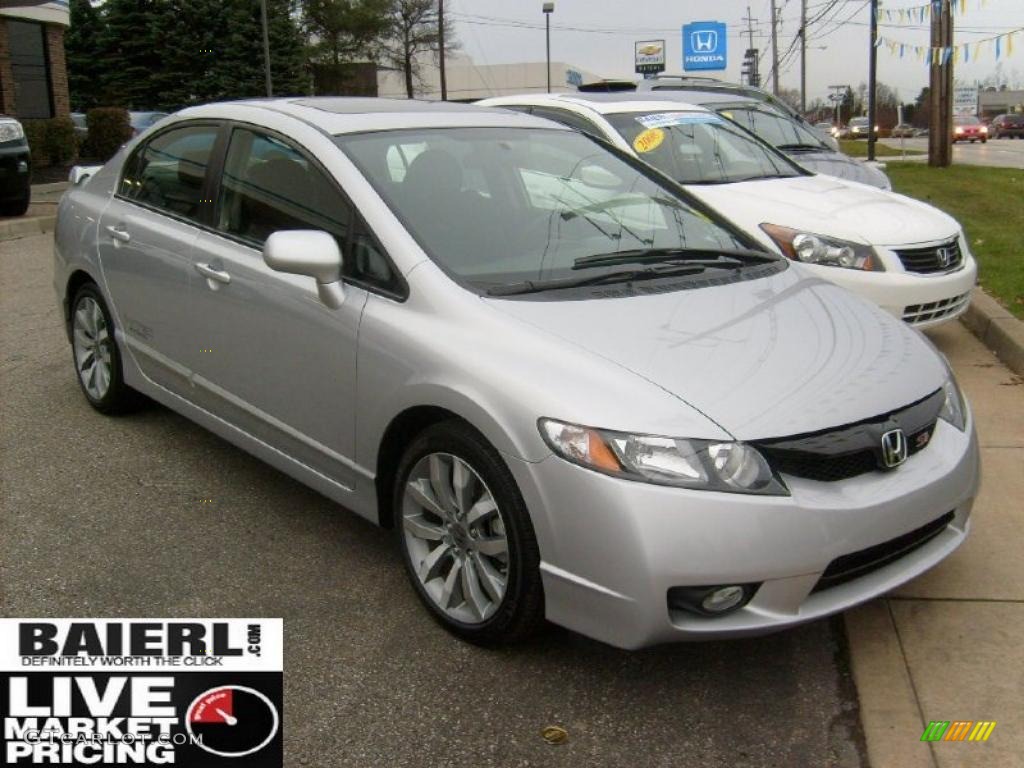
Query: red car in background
[1008,125]
[969,128]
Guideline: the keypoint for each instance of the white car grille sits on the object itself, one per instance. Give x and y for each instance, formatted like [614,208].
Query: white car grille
[935,310]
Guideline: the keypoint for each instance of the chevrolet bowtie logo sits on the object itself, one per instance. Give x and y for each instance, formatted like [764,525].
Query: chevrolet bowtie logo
[704,40]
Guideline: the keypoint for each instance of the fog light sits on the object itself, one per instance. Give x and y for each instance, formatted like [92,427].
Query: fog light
[723,599]
[716,600]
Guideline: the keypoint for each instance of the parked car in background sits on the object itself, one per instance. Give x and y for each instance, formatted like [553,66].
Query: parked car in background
[858,128]
[908,257]
[969,128]
[795,138]
[15,168]
[140,121]
[1010,126]
[581,394]
[81,126]
[903,131]
[827,131]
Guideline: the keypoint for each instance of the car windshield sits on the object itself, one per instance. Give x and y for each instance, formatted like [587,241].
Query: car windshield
[859,121]
[777,129]
[699,148]
[500,206]
[965,120]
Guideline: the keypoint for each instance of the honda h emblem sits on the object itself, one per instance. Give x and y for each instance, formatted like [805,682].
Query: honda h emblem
[894,448]
[944,256]
[704,40]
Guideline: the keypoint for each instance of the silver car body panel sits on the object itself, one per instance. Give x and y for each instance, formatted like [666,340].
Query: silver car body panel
[312,391]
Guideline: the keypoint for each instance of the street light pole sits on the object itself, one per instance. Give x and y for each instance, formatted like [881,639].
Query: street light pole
[873,80]
[548,9]
[266,49]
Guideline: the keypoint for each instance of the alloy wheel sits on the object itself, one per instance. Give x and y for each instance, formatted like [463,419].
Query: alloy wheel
[455,537]
[92,345]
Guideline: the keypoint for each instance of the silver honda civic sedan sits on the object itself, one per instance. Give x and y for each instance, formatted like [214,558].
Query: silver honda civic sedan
[573,391]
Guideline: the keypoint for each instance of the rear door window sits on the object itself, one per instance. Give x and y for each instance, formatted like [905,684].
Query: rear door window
[169,171]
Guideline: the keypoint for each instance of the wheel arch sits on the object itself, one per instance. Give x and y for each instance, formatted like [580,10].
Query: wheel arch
[76,280]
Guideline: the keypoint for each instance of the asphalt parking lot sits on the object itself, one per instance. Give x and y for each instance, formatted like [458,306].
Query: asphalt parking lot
[149,515]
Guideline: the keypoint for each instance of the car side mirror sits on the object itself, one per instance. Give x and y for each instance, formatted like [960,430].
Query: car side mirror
[309,252]
[79,174]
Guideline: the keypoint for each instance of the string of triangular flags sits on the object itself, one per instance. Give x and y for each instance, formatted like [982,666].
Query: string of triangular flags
[942,55]
[919,14]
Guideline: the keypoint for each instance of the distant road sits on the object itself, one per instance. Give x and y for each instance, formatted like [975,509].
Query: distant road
[998,153]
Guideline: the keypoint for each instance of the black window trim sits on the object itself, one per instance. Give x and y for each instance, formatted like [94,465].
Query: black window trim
[211,191]
[201,222]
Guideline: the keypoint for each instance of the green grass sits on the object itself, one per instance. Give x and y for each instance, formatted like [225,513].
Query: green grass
[989,203]
[859,148]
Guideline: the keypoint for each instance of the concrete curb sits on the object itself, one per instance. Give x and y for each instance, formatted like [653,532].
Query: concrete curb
[997,328]
[24,227]
[889,709]
[57,186]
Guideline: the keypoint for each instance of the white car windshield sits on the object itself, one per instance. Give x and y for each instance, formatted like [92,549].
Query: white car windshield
[496,206]
[699,147]
[779,130]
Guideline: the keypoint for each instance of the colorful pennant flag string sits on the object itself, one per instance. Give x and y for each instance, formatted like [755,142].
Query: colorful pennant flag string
[941,55]
[919,14]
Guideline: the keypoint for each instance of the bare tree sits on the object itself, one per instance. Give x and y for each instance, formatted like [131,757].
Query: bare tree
[414,32]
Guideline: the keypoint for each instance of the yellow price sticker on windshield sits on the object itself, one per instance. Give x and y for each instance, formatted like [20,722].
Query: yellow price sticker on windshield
[648,140]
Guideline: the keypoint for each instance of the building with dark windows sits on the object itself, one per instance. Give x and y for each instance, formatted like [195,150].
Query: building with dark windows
[33,72]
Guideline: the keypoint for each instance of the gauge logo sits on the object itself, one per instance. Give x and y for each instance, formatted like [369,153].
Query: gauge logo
[232,721]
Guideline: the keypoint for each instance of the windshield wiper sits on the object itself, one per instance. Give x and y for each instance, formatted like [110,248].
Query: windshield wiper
[703,257]
[804,147]
[619,276]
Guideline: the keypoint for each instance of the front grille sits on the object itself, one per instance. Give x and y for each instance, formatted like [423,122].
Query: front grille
[845,452]
[944,257]
[856,564]
[935,310]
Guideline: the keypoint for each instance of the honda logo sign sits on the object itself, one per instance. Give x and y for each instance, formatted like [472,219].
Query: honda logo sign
[704,45]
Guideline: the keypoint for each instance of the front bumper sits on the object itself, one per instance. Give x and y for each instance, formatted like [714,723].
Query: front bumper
[15,171]
[611,549]
[923,301]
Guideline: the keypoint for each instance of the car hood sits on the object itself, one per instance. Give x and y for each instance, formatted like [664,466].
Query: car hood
[828,206]
[839,165]
[772,357]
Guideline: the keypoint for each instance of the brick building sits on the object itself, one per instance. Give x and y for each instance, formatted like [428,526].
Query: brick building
[33,71]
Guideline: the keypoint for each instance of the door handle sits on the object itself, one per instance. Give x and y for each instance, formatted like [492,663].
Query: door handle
[213,274]
[118,233]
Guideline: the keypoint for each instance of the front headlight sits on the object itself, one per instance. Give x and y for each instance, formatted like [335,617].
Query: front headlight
[953,410]
[711,465]
[820,249]
[11,130]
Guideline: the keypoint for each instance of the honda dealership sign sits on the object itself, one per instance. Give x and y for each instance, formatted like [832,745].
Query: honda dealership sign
[704,45]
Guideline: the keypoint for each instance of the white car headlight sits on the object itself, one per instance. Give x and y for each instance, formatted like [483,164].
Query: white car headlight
[953,410]
[11,130]
[699,464]
[811,248]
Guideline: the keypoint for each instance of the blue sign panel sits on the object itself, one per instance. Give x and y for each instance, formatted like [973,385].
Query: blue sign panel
[704,45]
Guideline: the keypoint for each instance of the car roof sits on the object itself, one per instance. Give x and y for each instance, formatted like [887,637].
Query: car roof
[338,114]
[602,103]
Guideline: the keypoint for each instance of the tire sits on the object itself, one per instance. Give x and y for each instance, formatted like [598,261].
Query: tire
[17,207]
[434,546]
[92,331]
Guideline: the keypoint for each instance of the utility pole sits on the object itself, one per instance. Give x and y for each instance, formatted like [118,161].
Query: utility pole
[266,49]
[548,9]
[775,49]
[440,49]
[750,28]
[940,126]
[872,80]
[803,57]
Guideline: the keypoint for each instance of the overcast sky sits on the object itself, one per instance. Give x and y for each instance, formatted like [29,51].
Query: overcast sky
[598,36]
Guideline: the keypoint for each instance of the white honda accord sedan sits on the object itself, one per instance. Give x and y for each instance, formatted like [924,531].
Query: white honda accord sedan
[573,390]
[906,256]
